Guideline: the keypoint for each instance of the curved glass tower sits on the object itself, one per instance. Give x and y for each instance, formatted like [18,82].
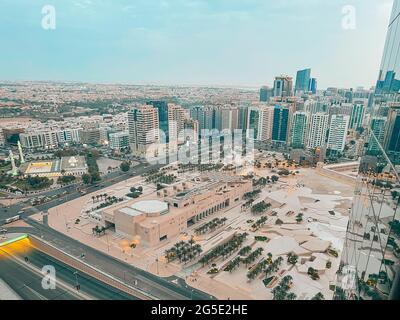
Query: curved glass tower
[389,74]
[370,268]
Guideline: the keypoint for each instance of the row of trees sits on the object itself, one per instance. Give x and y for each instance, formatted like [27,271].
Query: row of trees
[262,182]
[108,202]
[251,194]
[253,256]
[225,249]
[281,291]
[260,207]
[184,251]
[210,226]
[99,197]
[200,167]
[161,177]
[273,267]
[260,267]
[259,223]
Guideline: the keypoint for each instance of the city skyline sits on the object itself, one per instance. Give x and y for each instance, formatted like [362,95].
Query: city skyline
[194,42]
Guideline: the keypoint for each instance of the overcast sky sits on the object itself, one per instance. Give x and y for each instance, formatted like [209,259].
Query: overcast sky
[204,42]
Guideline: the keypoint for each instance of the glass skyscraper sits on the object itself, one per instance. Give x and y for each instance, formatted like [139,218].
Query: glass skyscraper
[389,74]
[162,107]
[280,125]
[303,80]
[370,268]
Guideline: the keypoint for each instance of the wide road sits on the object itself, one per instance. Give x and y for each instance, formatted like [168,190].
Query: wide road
[27,284]
[16,275]
[162,288]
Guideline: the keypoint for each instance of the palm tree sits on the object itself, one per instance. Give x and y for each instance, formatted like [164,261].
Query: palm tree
[318,296]
[291,296]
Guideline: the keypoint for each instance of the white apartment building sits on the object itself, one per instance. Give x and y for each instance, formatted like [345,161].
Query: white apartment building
[119,140]
[41,139]
[317,130]
[265,125]
[143,129]
[338,132]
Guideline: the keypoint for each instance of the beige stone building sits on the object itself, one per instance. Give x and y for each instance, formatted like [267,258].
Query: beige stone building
[170,211]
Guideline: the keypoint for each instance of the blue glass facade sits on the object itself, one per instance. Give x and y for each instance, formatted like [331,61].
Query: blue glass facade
[280,124]
[389,74]
[303,80]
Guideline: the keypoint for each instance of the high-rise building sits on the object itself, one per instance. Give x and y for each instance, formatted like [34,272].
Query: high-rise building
[313,106]
[266,123]
[176,119]
[227,117]
[253,121]
[317,130]
[300,126]
[191,130]
[162,107]
[242,121]
[357,116]
[369,267]
[377,128]
[338,132]
[205,115]
[313,85]
[280,125]
[389,74]
[266,93]
[143,129]
[283,86]
[303,80]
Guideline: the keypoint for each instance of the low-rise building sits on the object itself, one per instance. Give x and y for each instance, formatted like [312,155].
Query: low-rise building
[170,211]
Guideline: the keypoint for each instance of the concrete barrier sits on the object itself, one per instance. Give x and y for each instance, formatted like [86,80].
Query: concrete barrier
[86,268]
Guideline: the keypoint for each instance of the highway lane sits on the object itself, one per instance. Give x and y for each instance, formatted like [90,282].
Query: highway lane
[27,284]
[161,288]
[88,285]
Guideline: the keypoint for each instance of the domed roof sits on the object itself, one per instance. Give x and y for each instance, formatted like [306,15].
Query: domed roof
[150,206]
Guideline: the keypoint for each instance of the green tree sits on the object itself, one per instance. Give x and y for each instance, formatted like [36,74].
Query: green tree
[318,296]
[86,178]
[125,166]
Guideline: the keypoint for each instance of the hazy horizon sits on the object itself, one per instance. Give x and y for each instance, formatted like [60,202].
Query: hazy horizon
[220,43]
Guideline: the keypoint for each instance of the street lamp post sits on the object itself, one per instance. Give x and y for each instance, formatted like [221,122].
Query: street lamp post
[77,285]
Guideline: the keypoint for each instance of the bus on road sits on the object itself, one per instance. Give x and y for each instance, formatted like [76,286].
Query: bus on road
[12,219]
